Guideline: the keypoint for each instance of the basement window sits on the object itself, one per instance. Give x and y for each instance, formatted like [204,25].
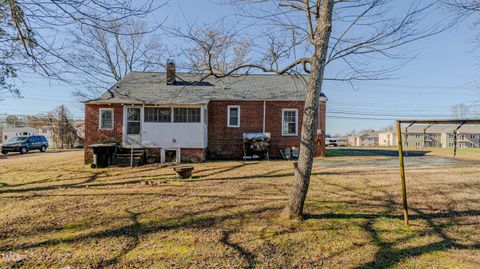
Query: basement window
[106,119]
[186,114]
[289,122]
[233,116]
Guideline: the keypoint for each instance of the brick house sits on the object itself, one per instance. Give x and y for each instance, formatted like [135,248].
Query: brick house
[170,113]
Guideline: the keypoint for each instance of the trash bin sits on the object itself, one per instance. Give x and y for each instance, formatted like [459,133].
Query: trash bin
[102,154]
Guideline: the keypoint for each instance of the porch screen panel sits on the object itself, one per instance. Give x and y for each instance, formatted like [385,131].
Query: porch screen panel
[158,114]
[186,114]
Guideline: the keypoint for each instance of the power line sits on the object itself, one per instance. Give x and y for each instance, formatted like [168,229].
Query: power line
[386,114]
[361,118]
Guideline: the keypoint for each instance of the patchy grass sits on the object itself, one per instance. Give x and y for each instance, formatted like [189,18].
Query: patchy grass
[56,212]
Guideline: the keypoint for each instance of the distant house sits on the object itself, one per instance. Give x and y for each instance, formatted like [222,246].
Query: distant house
[172,113]
[352,140]
[387,139]
[343,141]
[366,139]
[11,132]
[80,128]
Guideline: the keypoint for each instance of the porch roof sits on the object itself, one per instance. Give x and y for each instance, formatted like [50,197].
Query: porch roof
[151,88]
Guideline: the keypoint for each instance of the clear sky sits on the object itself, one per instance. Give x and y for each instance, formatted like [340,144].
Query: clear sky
[444,73]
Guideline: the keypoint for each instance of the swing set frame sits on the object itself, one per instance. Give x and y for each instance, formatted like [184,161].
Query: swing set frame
[401,152]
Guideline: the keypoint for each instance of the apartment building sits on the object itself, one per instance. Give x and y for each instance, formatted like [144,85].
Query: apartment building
[434,136]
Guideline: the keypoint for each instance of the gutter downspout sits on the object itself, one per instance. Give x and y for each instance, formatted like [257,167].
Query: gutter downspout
[264,114]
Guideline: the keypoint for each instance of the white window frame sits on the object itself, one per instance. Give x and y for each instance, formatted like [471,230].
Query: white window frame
[283,121]
[100,118]
[229,125]
[187,122]
[139,120]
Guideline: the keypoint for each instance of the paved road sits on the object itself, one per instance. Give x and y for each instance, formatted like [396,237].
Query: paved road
[387,159]
[35,153]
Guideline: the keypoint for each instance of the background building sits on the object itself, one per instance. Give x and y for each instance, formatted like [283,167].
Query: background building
[435,136]
[387,139]
[365,139]
[11,132]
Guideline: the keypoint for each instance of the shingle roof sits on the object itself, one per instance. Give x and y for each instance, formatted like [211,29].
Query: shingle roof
[437,129]
[368,134]
[19,129]
[151,88]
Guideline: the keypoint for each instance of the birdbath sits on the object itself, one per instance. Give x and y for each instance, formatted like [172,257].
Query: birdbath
[183,171]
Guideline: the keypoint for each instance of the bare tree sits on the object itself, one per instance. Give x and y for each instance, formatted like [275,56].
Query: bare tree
[462,111]
[298,36]
[214,49]
[64,133]
[104,57]
[465,6]
[14,121]
[30,36]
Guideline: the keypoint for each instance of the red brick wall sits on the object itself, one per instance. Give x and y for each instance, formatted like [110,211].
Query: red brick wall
[92,132]
[227,143]
[189,155]
[223,142]
[192,155]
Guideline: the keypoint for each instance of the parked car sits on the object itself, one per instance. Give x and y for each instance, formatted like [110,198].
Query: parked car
[331,142]
[23,144]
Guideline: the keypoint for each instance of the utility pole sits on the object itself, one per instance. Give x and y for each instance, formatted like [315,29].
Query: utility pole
[62,114]
[402,171]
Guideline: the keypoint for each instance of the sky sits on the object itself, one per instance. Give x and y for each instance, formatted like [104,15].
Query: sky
[443,73]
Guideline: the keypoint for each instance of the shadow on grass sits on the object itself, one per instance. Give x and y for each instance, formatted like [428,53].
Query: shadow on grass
[137,230]
[134,232]
[135,178]
[248,256]
[88,179]
[391,252]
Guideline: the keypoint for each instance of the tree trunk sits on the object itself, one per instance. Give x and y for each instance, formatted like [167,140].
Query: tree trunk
[294,208]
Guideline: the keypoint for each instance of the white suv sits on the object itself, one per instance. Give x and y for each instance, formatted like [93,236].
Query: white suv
[332,142]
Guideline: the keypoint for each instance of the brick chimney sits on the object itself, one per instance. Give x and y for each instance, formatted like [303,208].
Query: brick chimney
[170,72]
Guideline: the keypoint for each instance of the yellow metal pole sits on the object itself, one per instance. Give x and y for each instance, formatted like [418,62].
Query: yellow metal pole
[402,172]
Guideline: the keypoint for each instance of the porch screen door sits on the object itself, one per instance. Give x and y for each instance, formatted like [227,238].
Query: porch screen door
[133,126]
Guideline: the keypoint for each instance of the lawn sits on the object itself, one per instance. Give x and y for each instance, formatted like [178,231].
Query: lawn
[57,212]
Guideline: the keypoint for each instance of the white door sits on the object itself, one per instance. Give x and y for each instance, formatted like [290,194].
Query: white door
[133,126]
